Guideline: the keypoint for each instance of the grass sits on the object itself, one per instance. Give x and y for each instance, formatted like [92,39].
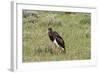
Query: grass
[75,28]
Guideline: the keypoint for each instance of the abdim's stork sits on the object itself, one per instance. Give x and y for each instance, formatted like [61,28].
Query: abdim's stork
[56,39]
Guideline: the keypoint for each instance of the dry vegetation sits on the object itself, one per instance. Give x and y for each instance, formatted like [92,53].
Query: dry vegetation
[75,29]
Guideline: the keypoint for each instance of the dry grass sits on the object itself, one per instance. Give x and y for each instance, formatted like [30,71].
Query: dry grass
[74,28]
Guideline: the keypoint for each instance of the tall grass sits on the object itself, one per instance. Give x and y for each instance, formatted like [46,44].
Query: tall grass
[75,29]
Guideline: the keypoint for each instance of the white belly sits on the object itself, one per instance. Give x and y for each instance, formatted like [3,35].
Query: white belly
[55,42]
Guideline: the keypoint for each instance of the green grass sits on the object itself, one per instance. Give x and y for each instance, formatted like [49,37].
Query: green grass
[75,28]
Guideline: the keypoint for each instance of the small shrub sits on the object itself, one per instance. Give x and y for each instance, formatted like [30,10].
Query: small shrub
[85,20]
[53,20]
[30,16]
[32,19]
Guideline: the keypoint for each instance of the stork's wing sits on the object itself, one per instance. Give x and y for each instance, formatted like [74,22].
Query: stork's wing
[60,41]
[57,35]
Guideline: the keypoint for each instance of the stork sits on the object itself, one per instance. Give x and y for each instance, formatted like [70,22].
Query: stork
[56,39]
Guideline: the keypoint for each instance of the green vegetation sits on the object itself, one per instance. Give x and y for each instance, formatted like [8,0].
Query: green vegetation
[75,28]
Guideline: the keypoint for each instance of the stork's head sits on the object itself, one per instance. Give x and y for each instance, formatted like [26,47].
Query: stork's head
[49,29]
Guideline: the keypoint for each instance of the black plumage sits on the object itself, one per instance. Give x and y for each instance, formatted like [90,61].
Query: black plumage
[56,38]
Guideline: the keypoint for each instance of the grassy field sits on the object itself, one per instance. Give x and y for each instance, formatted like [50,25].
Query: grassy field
[75,29]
